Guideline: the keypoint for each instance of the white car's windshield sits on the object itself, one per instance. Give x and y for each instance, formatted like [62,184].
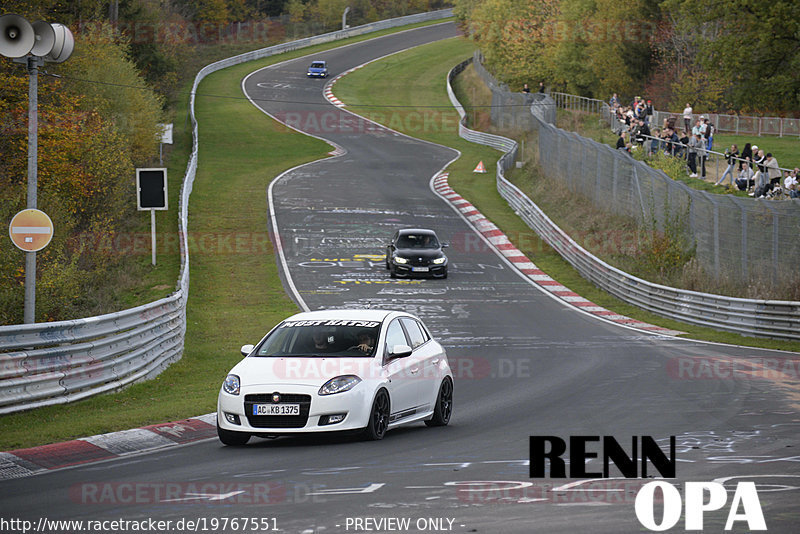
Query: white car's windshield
[325,338]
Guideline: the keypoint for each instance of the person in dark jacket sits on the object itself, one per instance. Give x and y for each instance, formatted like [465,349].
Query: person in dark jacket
[747,156]
[621,140]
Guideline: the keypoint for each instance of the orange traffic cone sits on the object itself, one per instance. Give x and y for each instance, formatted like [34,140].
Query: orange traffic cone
[480,167]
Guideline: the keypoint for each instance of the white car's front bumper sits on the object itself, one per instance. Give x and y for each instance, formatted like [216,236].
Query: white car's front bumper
[355,404]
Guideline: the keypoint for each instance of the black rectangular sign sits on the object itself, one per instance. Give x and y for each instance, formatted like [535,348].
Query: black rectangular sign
[151,189]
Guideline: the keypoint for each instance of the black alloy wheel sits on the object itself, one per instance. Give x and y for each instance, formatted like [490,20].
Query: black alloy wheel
[379,417]
[444,405]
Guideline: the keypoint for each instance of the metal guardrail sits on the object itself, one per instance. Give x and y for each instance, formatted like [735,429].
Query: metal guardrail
[766,318]
[43,364]
[577,103]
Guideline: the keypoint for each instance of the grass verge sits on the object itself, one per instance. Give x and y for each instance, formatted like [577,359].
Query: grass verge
[423,71]
[235,294]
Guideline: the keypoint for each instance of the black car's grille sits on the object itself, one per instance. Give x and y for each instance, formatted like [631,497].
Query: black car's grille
[277,421]
[416,261]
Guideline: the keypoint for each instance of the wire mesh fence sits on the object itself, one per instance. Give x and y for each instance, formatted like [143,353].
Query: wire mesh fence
[734,237]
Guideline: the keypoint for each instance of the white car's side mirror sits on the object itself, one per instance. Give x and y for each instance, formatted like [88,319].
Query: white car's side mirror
[400,351]
[247,349]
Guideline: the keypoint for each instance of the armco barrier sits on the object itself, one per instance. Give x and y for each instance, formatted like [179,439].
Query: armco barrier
[766,318]
[43,364]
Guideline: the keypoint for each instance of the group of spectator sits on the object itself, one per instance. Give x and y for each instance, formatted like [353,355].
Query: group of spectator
[758,172]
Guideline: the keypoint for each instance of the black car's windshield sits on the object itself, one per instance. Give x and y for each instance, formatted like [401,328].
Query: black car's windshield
[417,241]
[326,338]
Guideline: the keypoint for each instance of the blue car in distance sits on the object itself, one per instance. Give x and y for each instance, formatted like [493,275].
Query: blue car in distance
[318,69]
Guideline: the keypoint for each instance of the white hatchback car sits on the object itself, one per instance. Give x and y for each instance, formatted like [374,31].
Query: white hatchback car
[335,370]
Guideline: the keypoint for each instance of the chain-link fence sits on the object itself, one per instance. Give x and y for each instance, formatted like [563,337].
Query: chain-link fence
[735,237]
[514,110]
[739,124]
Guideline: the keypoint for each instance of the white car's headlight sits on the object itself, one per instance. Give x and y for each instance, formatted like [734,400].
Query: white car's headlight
[339,384]
[398,259]
[231,385]
[439,261]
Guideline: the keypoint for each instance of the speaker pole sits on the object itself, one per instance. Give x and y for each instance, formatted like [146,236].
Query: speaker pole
[34,63]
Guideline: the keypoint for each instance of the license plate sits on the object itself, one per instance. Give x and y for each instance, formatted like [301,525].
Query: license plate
[420,269]
[276,409]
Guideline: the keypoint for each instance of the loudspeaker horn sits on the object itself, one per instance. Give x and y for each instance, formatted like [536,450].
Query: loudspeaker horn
[45,38]
[16,36]
[63,46]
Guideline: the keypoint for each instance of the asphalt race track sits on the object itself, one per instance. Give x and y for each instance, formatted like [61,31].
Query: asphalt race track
[524,365]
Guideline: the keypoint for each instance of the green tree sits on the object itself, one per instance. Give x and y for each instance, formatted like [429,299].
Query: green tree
[85,186]
[749,49]
[101,70]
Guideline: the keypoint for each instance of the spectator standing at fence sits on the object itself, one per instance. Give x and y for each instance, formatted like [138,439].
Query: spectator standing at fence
[702,154]
[747,156]
[682,149]
[696,129]
[674,140]
[648,111]
[643,132]
[730,156]
[708,133]
[687,116]
[525,88]
[614,102]
[541,86]
[692,160]
[758,159]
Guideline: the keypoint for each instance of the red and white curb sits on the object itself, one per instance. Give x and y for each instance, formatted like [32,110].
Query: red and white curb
[25,462]
[538,277]
[328,91]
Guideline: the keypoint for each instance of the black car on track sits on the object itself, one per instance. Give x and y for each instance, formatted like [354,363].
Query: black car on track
[416,252]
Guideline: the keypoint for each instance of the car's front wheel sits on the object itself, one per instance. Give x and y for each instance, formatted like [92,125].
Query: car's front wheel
[228,437]
[444,405]
[378,417]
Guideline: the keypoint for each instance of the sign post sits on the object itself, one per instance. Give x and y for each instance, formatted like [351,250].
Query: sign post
[30,230]
[166,139]
[151,195]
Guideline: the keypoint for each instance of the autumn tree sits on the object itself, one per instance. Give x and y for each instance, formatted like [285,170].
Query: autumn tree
[741,53]
[115,89]
[96,123]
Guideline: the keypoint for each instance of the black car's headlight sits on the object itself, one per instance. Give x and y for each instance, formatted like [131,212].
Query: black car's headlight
[231,385]
[398,259]
[439,261]
[339,384]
